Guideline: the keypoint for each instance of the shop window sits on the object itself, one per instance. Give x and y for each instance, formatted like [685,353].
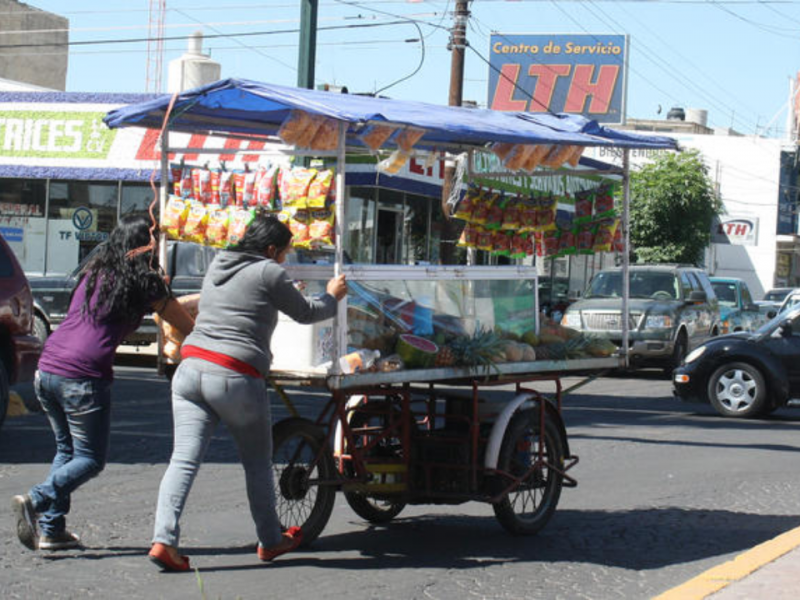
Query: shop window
[136,200]
[23,222]
[81,215]
[416,226]
[360,221]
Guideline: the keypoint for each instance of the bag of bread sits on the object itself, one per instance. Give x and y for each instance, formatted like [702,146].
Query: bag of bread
[297,127]
[375,136]
[518,155]
[395,162]
[557,156]
[407,137]
[327,136]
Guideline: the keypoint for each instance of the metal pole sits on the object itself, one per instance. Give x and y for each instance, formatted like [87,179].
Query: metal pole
[457,45]
[626,156]
[340,324]
[308,43]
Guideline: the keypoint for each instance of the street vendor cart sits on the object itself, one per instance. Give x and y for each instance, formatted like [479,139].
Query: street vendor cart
[392,431]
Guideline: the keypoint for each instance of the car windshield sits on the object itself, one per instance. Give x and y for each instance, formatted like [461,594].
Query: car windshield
[726,292]
[776,295]
[661,285]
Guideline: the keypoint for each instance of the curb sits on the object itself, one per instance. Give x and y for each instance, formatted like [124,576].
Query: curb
[723,575]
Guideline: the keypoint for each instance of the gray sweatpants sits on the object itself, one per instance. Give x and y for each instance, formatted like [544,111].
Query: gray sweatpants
[203,394]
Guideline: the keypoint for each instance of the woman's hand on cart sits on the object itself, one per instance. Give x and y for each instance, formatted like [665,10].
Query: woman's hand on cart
[337,287]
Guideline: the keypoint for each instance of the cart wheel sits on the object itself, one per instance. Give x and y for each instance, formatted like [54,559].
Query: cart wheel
[528,507]
[379,416]
[300,459]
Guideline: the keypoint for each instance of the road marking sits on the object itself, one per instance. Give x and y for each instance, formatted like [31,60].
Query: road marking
[734,570]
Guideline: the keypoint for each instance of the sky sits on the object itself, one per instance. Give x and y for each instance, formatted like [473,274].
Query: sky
[734,58]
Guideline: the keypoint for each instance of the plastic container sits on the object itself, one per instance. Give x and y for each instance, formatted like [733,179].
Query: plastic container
[360,360]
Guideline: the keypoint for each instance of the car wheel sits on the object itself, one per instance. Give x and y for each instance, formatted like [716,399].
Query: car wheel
[738,390]
[678,354]
[40,328]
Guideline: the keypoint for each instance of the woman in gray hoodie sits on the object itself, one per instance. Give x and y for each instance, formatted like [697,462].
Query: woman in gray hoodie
[221,378]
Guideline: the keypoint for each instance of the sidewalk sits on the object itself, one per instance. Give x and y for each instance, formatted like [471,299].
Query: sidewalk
[769,570]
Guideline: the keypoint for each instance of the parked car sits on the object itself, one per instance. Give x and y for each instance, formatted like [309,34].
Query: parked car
[748,374]
[19,348]
[791,299]
[672,309]
[772,300]
[737,311]
[186,265]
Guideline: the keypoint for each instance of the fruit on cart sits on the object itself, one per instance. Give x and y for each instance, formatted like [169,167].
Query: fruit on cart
[445,358]
[416,351]
[530,338]
[601,347]
[528,353]
[481,349]
[513,351]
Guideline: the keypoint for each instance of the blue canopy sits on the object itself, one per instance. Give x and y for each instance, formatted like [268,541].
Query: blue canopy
[253,108]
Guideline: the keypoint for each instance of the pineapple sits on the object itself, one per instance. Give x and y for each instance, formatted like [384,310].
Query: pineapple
[445,358]
[483,348]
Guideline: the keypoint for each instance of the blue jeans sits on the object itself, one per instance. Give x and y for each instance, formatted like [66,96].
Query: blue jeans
[79,411]
[203,394]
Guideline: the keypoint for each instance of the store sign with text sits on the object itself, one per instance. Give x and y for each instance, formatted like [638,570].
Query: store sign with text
[739,231]
[570,73]
[54,134]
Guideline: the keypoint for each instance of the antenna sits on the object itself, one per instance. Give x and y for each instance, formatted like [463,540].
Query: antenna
[155,46]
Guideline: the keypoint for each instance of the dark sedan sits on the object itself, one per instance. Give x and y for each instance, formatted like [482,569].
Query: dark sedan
[745,375]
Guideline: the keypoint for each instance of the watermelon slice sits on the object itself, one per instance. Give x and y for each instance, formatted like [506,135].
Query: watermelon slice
[416,352]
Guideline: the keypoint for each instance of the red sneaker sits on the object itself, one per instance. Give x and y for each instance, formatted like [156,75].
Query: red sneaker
[292,538]
[160,556]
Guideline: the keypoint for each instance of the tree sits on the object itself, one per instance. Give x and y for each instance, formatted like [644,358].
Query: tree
[672,207]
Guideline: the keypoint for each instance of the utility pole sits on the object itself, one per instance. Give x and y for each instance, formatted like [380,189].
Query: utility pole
[458,46]
[308,43]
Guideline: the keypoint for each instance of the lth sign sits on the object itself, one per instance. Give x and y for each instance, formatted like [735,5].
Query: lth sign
[579,74]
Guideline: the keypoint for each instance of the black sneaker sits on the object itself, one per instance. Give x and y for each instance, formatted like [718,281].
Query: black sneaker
[63,540]
[26,521]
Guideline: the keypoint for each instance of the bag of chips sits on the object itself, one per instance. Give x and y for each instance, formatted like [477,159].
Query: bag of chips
[469,237]
[196,224]
[239,221]
[494,218]
[546,213]
[604,202]
[550,242]
[265,188]
[466,205]
[527,208]
[320,229]
[584,201]
[318,189]
[298,222]
[375,136]
[605,235]
[501,243]
[585,239]
[217,228]
[294,184]
[174,218]
[484,239]
[201,185]
[244,188]
[511,215]
[226,196]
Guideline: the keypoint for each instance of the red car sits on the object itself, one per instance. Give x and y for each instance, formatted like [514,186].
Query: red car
[19,348]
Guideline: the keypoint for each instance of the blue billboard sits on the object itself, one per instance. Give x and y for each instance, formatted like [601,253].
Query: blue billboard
[571,73]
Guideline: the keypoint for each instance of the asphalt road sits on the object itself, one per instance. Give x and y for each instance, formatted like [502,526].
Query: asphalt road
[665,492]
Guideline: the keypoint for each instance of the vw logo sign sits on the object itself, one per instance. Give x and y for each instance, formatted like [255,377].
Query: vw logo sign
[82,218]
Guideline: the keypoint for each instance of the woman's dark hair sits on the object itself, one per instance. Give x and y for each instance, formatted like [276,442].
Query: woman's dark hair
[126,284]
[264,231]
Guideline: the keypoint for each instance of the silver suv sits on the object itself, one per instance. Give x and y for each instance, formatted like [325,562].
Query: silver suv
[672,309]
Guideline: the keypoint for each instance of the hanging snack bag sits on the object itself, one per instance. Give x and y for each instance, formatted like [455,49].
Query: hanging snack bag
[550,242]
[546,213]
[226,196]
[320,229]
[501,243]
[527,209]
[575,156]
[480,211]
[327,136]
[217,229]
[604,202]
[174,218]
[375,136]
[318,188]
[196,224]
[213,175]
[484,239]
[298,222]
[517,157]
[407,137]
[239,221]
[494,217]
[469,237]
[294,184]
[502,149]
[244,188]
[584,200]
[201,185]
[585,239]
[265,195]
[619,239]
[535,157]
[518,245]
[511,215]
[187,185]
[466,206]
[557,156]
[297,127]
[395,162]
[605,235]
[176,177]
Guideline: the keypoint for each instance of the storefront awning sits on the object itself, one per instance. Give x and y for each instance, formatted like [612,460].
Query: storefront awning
[254,108]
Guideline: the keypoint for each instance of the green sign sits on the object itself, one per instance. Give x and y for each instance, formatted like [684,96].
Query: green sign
[55,134]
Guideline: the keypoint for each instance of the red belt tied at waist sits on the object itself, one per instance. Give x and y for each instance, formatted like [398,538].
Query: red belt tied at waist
[234,364]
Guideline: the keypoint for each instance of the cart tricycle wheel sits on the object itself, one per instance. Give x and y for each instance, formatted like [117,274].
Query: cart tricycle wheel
[528,506]
[300,459]
[378,417]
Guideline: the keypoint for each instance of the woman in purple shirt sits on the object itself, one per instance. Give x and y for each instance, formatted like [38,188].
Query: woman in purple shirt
[116,288]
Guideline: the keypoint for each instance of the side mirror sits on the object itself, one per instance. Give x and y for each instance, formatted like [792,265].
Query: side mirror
[697,297]
[771,314]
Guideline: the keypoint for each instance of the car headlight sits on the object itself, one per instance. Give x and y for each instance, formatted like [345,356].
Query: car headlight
[572,319]
[658,322]
[694,354]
